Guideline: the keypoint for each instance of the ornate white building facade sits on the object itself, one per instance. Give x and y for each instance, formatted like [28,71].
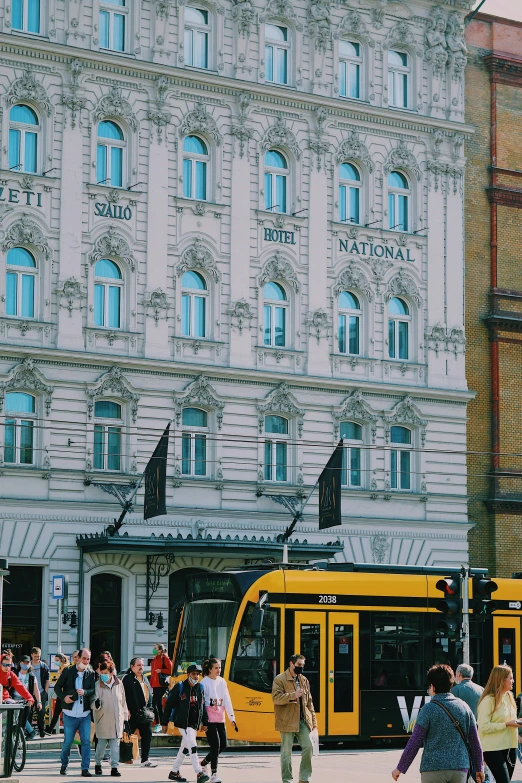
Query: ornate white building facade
[247,218]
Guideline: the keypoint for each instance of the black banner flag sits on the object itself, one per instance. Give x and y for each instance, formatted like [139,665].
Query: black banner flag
[330,490]
[155,499]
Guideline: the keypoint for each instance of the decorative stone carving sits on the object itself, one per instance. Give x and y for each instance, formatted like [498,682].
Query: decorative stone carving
[281,9]
[352,148]
[437,170]
[163,8]
[114,106]
[243,14]
[27,377]
[319,147]
[352,277]
[200,393]
[278,268]
[5,209]
[281,401]
[436,52]
[458,141]
[380,547]
[161,119]
[401,157]
[279,135]
[113,383]
[403,285]
[239,129]
[70,290]
[457,175]
[438,138]
[241,313]
[318,322]
[199,121]
[377,16]
[156,301]
[25,231]
[405,412]
[401,34]
[441,338]
[456,41]
[27,88]
[319,23]
[355,408]
[353,24]
[75,67]
[197,256]
[112,245]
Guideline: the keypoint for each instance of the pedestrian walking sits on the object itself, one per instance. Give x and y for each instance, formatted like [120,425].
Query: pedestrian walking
[41,673]
[465,689]
[75,688]
[217,702]
[160,671]
[26,676]
[498,724]
[60,660]
[138,695]
[446,728]
[110,711]
[294,717]
[186,708]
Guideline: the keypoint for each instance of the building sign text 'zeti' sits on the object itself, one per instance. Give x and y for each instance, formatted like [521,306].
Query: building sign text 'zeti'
[14,196]
[377,251]
[101,209]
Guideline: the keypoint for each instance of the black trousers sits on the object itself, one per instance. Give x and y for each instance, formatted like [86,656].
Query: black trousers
[501,763]
[40,714]
[56,714]
[145,730]
[217,739]
[157,706]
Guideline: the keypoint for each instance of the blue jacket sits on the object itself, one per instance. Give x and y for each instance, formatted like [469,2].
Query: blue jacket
[469,692]
[443,745]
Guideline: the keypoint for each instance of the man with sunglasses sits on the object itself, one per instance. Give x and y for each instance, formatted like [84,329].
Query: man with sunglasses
[8,679]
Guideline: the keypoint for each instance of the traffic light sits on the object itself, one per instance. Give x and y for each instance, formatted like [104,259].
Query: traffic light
[450,606]
[482,604]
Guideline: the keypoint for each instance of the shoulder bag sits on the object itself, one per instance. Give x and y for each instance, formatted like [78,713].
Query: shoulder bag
[126,745]
[472,772]
[164,679]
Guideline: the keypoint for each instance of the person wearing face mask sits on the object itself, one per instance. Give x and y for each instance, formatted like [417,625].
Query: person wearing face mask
[75,688]
[41,673]
[139,702]
[294,717]
[217,702]
[160,671]
[110,712]
[61,661]
[186,708]
[28,680]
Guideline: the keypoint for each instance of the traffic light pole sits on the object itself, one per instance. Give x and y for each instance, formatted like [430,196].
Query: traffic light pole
[465,614]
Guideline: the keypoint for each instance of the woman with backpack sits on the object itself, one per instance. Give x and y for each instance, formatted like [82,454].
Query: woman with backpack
[160,671]
[498,724]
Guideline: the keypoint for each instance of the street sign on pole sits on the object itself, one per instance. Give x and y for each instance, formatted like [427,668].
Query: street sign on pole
[58,591]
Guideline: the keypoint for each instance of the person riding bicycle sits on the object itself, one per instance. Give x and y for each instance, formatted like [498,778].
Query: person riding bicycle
[8,679]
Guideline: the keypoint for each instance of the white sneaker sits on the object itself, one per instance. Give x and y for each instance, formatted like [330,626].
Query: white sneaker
[157,729]
[215,778]
[148,763]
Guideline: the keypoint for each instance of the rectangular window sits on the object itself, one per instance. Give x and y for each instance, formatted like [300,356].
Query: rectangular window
[354,334]
[355,80]
[30,152]
[107,447]
[99,446]
[185,315]
[342,334]
[118,37]
[10,441]
[199,316]
[104,29]
[112,31]
[402,219]
[268,191]
[280,327]
[15,138]
[276,64]
[185,453]
[391,339]
[256,659]
[282,66]
[269,62]
[27,296]
[194,454]
[17,14]
[400,469]
[200,455]
[113,316]
[11,306]
[351,470]
[116,167]
[99,305]
[268,325]
[396,652]
[187,178]
[114,448]
[403,340]
[101,163]
[201,180]
[31,10]
[275,461]
[201,58]
[19,441]
[280,193]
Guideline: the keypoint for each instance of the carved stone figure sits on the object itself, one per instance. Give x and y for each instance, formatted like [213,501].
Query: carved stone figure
[243,13]
[457,46]
[436,41]
[320,22]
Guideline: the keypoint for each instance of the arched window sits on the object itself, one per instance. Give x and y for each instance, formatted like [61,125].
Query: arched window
[20,283]
[351,434]
[398,202]
[195,168]
[20,409]
[197,37]
[109,156]
[274,314]
[399,74]
[398,328]
[113,20]
[24,128]
[26,16]
[350,61]
[107,435]
[194,298]
[108,287]
[349,326]
[349,193]
[400,458]
[194,442]
[276,448]
[277,52]
[276,176]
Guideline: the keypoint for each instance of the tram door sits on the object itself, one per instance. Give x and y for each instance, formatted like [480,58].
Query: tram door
[506,646]
[310,641]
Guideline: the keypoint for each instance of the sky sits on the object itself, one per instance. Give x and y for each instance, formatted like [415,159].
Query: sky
[511,9]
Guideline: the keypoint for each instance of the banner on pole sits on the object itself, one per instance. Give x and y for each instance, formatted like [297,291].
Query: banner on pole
[330,490]
[155,476]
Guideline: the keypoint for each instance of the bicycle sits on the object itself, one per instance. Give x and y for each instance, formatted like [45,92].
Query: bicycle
[16,754]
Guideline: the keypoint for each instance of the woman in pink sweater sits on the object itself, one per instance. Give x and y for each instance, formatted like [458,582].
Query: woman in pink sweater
[217,701]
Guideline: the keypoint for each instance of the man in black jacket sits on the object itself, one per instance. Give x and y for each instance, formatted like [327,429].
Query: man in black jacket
[186,704]
[138,695]
[74,688]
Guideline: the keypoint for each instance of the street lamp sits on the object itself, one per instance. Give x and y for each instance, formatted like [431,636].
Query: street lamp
[72,619]
[159,624]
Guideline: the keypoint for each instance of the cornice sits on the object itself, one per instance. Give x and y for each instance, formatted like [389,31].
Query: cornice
[505,505]
[506,321]
[506,197]
[505,68]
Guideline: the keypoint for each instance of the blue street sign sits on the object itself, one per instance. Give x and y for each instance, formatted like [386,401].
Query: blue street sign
[58,587]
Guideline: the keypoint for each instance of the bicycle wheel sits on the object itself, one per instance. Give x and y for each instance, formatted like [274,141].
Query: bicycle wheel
[19,749]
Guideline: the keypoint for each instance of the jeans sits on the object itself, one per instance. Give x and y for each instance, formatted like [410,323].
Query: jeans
[501,763]
[217,739]
[157,702]
[188,746]
[114,750]
[145,734]
[70,727]
[287,740]
[444,776]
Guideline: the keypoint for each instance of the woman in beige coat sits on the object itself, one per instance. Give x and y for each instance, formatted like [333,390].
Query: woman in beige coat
[110,711]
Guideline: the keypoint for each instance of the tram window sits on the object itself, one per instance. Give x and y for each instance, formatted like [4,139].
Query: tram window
[396,651]
[343,668]
[256,658]
[207,627]
[310,648]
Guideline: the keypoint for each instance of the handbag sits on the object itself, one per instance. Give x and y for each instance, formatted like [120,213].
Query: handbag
[472,772]
[145,715]
[126,745]
[164,679]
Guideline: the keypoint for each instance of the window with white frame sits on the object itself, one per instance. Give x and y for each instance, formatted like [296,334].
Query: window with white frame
[19,430]
[109,154]
[108,423]
[276,448]
[20,283]
[349,193]
[400,458]
[24,129]
[276,181]
[195,168]
[113,22]
[194,299]
[108,290]
[194,442]
[26,16]
[398,202]
[275,314]
[277,53]
[350,62]
[351,433]
[349,323]
[399,319]
[197,37]
[399,75]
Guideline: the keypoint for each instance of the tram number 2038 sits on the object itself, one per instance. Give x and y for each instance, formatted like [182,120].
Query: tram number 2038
[327,599]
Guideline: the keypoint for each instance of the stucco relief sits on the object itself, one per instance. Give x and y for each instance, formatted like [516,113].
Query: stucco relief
[402,157]
[115,106]
[355,408]
[113,383]
[26,232]
[27,377]
[353,24]
[320,23]
[28,88]
[200,121]
[350,278]
[279,268]
[280,135]
[406,413]
[353,148]
[197,256]
[199,392]
[403,284]
[282,401]
[113,245]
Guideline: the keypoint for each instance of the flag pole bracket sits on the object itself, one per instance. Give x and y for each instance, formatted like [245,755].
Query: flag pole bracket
[157,566]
